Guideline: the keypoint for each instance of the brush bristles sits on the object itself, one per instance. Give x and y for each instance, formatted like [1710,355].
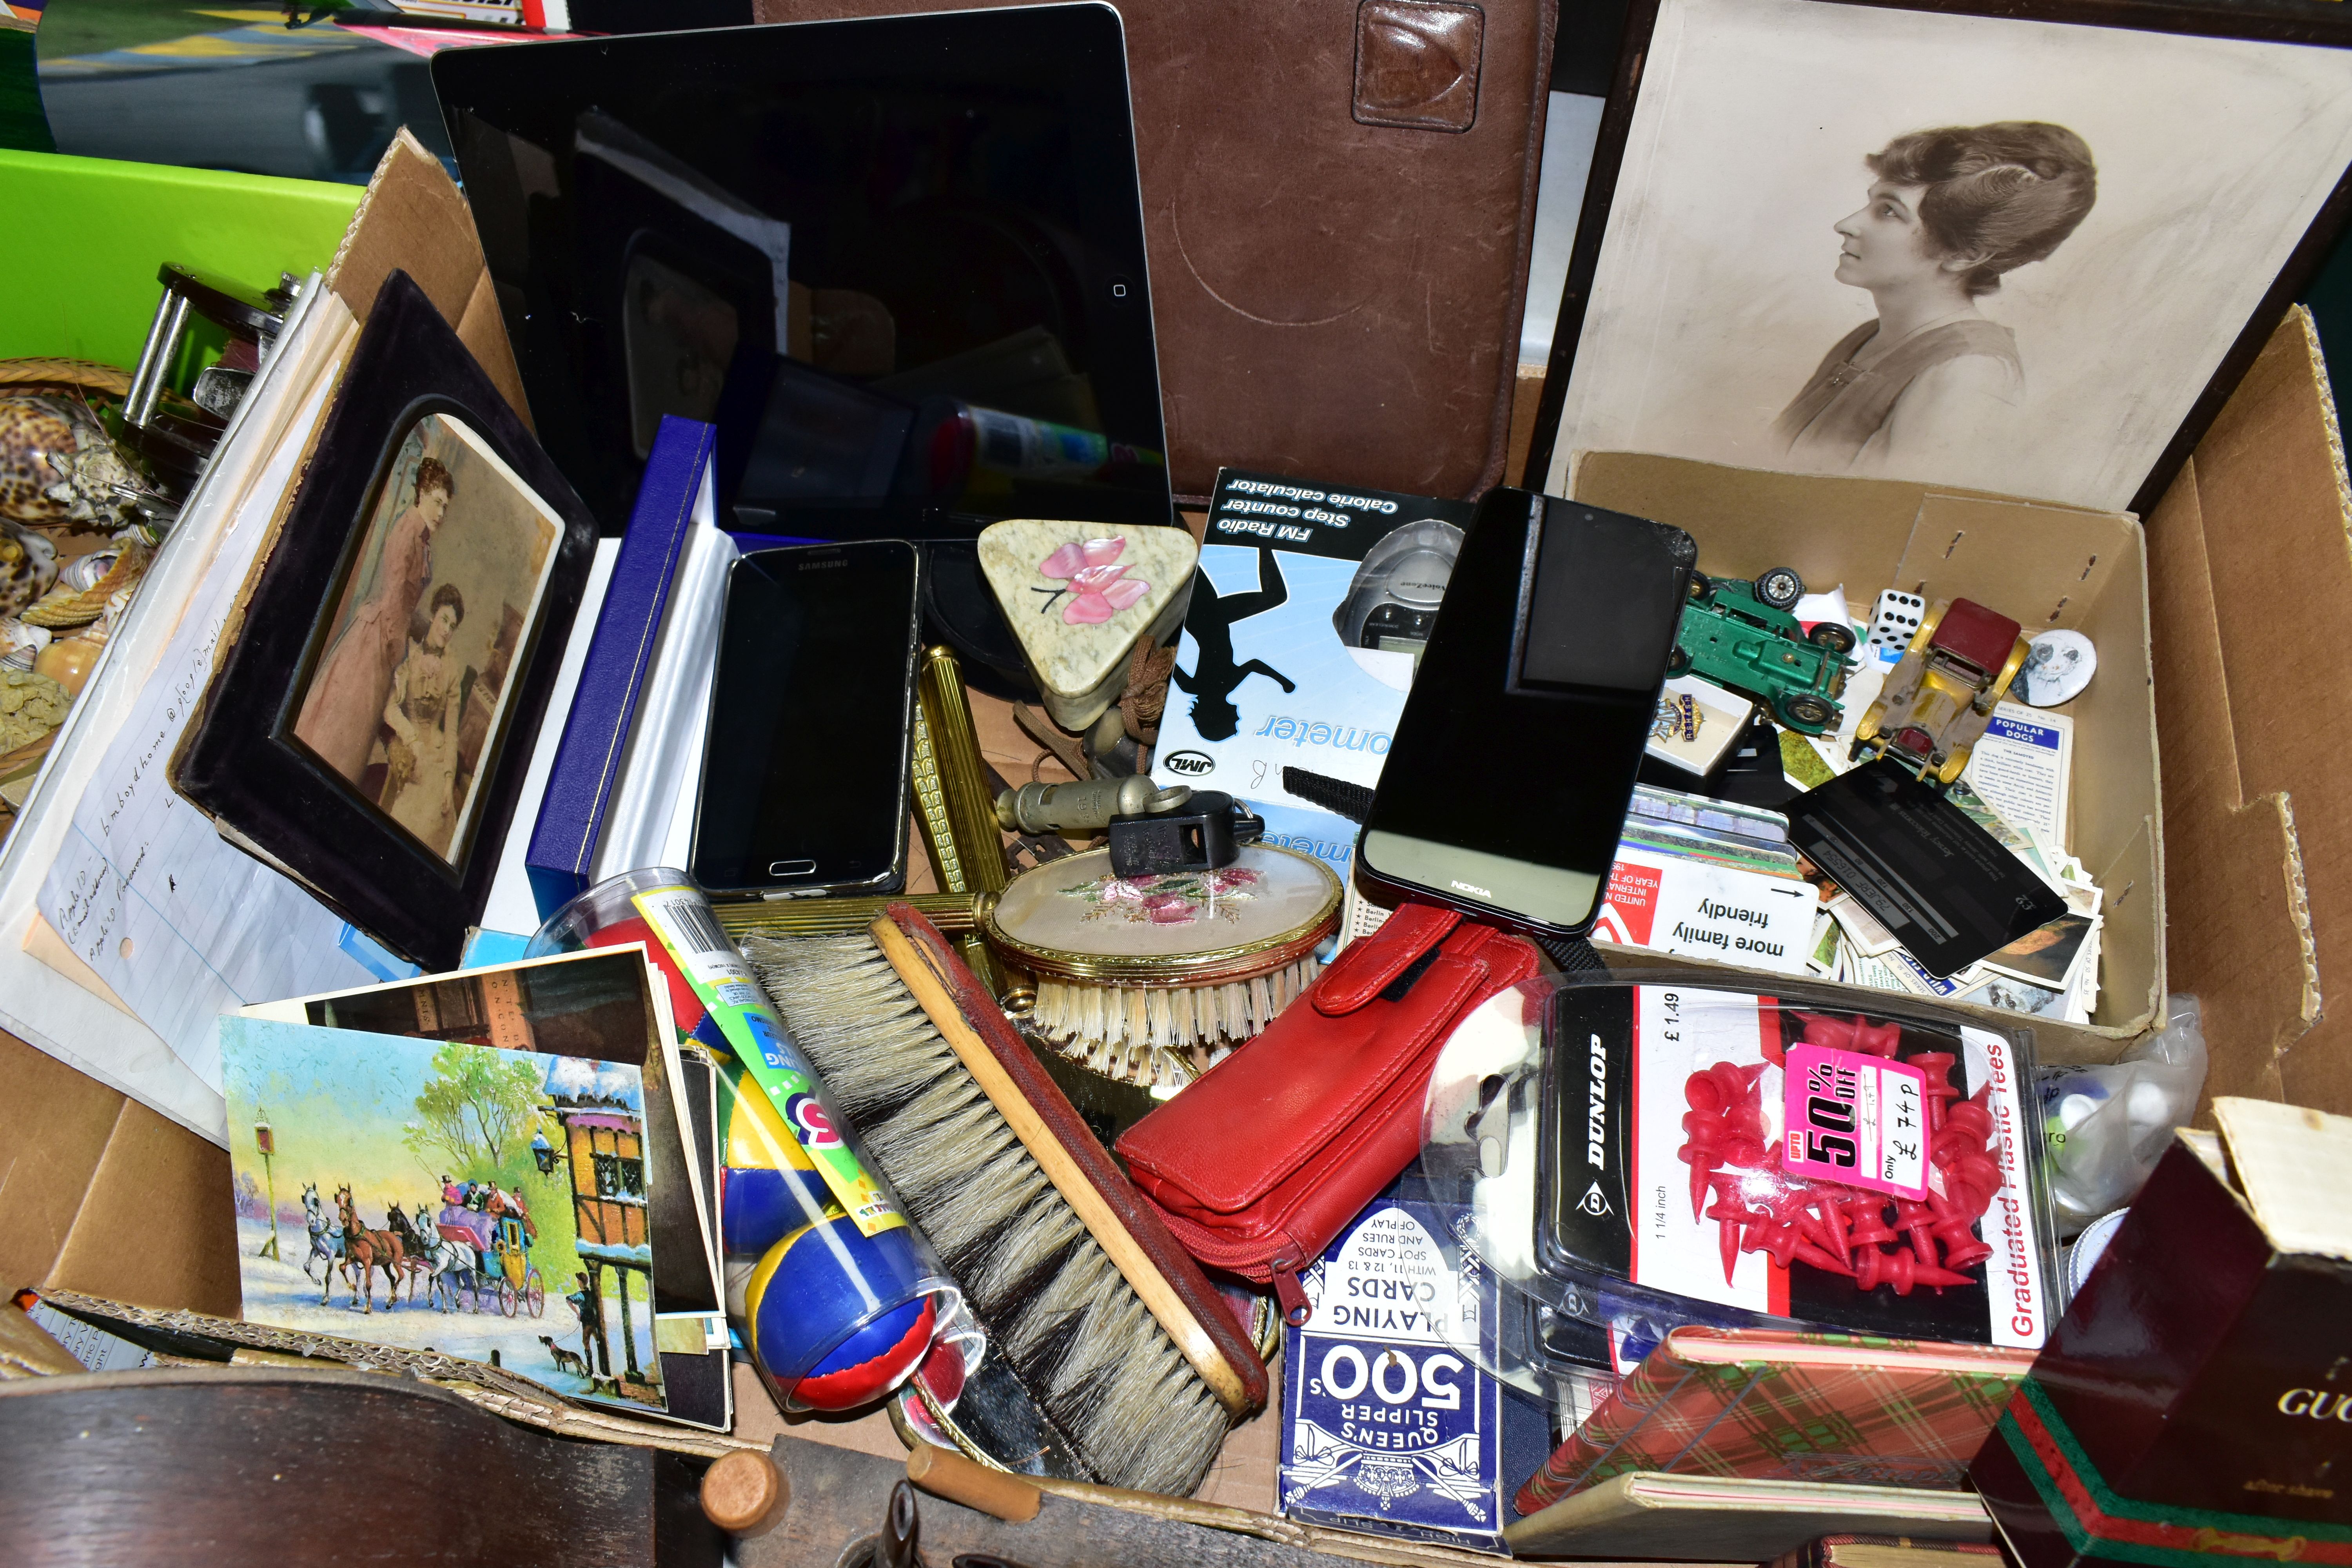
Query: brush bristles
[1162,1034]
[1094,1361]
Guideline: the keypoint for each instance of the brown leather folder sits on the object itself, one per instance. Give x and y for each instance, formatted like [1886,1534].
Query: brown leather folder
[1338,197]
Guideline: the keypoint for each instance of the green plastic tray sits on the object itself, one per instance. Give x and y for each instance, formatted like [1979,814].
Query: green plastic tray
[86,234]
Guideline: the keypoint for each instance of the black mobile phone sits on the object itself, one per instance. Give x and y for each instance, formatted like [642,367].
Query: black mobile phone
[1507,785]
[804,786]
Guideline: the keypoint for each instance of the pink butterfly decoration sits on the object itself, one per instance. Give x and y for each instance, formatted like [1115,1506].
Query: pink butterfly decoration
[1099,590]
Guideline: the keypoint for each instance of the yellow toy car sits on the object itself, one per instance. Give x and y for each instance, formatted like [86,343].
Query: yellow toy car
[1939,697]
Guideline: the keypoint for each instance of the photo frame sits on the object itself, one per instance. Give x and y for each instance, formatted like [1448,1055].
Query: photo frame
[2126,196]
[368,723]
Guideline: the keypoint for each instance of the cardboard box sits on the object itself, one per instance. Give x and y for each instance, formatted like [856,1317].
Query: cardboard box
[2047,566]
[2251,585]
[99,1194]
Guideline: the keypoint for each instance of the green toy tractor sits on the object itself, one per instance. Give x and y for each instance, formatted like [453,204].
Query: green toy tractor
[1740,636]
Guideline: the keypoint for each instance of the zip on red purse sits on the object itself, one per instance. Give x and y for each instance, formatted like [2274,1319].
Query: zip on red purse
[1257,1166]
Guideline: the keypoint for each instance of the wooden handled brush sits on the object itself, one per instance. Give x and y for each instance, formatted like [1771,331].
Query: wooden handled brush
[1127,1354]
[924,970]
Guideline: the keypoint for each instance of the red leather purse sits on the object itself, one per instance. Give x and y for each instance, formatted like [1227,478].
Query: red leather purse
[1258,1166]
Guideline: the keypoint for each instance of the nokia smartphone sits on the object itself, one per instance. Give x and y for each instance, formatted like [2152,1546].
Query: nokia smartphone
[1506,785]
[804,783]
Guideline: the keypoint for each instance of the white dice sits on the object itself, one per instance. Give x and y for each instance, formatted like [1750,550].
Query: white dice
[1896,622]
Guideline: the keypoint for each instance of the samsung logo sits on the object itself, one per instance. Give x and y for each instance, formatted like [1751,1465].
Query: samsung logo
[1467,887]
[1190,763]
[821,566]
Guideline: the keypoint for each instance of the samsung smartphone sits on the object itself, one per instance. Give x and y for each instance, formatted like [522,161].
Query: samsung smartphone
[1507,785]
[805,771]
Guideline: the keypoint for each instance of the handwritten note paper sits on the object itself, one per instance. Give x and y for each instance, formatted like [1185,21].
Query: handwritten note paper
[182,926]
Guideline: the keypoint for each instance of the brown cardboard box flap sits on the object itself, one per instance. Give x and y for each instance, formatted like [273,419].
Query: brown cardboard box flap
[2046,566]
[414,218]
[62,1121]
[156,1226]
[2253,602]
[100,1193]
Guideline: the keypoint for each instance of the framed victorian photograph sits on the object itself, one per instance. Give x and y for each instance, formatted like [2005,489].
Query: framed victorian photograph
[367,726]
[408,686]
[2019,246]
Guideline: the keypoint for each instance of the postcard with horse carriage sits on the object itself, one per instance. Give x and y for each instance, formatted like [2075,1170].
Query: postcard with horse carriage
[607,1004]
[435,1194]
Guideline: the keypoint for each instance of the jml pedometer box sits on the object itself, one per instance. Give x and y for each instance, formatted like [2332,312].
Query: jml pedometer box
[1309,609]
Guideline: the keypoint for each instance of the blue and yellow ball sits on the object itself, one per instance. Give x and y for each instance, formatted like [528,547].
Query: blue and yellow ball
[810,1319]
[758,1207]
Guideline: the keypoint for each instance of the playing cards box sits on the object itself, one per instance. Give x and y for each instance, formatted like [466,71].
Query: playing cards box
[1388,1425]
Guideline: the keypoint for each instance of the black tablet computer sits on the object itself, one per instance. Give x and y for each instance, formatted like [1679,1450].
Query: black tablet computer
[897,261]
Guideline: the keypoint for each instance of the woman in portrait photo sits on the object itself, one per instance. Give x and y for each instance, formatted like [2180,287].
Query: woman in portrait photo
[345,702]
[420,785]
[1951,211]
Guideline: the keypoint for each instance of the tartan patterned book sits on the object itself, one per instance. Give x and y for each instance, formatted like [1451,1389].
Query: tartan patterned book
[1769,1403]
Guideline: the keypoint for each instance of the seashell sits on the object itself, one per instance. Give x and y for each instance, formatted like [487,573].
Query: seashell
[68,661]
[87,584]
[98,479]
[57,465]
[20,645]
[101,631]
[28,567]
[84,571]
[31,429]
[15,635]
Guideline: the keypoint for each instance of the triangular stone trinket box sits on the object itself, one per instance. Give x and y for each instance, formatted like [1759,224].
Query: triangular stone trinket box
[1079,597]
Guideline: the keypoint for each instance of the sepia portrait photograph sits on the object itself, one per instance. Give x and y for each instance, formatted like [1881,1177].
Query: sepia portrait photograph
[1977,251]
[406,699]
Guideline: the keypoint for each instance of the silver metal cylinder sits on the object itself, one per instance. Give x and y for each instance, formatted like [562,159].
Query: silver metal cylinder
[150,367]
[163,343]
[1086,807]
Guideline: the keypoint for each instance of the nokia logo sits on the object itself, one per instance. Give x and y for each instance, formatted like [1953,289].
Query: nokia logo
[1190,763]
[1467,887]
[1596,1107]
